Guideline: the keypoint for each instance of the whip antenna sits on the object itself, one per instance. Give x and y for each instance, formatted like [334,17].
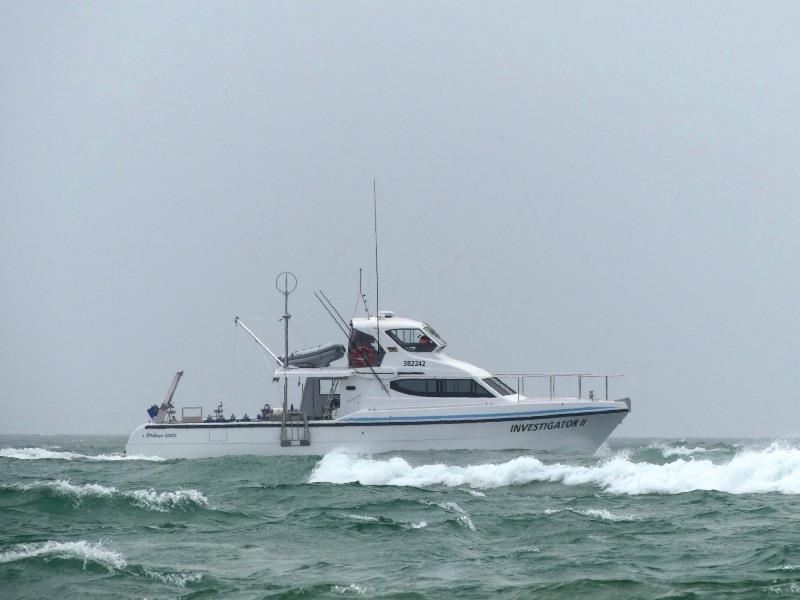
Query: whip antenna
[361,293]
[377,281]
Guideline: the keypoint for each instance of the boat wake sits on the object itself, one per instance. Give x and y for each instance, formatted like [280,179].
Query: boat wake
[775,469]
[44,453]
[145,499]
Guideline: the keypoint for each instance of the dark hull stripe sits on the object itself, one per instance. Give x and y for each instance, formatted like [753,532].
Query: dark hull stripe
[384,423]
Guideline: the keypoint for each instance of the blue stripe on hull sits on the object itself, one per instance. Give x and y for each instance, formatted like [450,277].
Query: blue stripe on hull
[486,416]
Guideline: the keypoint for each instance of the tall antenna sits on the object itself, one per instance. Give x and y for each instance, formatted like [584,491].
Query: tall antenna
[361,293]
[377,281]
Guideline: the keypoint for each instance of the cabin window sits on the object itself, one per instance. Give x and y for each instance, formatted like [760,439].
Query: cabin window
[499,386]
[412,340]
[441,388]
[363,350]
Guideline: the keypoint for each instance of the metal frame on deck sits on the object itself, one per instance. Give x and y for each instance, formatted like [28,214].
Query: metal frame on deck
[552,377]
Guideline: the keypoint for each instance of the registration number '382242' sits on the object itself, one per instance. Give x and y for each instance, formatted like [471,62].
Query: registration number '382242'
[413,363]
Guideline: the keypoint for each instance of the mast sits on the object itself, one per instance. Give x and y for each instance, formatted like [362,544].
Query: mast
[286,288]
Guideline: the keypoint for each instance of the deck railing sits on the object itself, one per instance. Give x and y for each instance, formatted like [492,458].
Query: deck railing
[553,378]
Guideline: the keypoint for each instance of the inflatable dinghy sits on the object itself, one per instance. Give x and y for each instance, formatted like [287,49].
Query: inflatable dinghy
[319,356]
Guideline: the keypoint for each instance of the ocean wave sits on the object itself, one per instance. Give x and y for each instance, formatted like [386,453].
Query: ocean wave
[178,578]
[166,501]
[353,588]
[594,513]
[146,499]
[368,519]
[45,454]
[82,550]
[668,451]
[62,487]
[775,469]
[94,552]
[462,517]
[364,518]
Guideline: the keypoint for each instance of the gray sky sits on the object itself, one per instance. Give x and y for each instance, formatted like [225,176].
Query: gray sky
[562,186]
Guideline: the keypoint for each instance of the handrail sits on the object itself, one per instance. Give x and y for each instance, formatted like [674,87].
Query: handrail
[552,380]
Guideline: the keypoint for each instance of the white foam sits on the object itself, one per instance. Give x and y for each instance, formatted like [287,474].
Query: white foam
[45,454]
[772,469]
[179,579]
[790,588]
[462,515]
[353,588]
[606,515]
[363,518]
[595,513]
[420,525]
[81,550]
[165,501]
[668,451]
[147,499]
[63,487]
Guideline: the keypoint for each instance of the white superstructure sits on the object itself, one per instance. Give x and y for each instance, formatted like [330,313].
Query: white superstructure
[398,390]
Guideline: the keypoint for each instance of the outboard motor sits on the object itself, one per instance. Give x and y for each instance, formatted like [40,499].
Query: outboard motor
[153,411]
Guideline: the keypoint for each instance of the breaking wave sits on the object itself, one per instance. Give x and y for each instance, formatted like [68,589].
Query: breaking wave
[594,513]
[668,451]
[146,499]
[462,517]
[165,501]
[178,578]
[86,552]
[44,453]
[368,519]
[775,469]
[353,588]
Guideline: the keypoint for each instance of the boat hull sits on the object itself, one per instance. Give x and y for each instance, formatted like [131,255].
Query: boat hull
[571,431]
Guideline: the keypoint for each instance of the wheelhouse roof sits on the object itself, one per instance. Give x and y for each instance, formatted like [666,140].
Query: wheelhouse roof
[371,323]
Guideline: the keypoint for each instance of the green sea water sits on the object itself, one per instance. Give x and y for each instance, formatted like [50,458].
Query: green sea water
[642,519]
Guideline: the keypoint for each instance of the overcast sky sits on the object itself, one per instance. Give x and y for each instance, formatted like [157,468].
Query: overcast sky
[604,187]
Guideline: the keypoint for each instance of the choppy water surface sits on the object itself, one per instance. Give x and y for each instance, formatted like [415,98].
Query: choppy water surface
[644,518]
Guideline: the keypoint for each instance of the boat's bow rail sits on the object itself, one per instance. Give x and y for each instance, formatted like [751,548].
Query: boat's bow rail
[552,379]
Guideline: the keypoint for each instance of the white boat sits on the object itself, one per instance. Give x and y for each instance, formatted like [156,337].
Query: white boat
[398,391]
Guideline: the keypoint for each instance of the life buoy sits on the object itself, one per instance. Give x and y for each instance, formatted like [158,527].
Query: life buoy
[362,356]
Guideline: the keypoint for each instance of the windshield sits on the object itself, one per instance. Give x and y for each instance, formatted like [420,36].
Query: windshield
[434,332]
[412,340]
[499,387]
